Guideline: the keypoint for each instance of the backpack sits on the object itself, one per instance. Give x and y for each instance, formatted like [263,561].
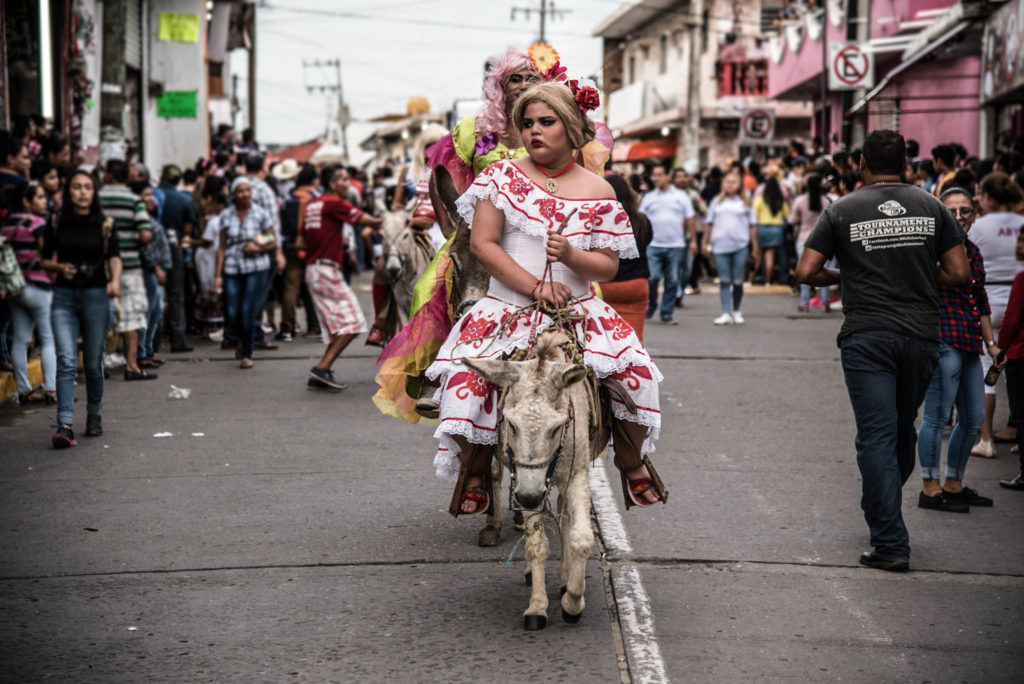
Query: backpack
[290,221]
[12,282]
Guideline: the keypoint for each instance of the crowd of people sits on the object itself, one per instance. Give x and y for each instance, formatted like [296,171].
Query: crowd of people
[231,247]
[125,261]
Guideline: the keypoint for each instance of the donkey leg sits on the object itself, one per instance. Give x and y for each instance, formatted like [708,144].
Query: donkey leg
[491,531]
[577,541]
[536,614]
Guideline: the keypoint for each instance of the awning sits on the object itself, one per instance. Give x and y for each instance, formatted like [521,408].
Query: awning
[644,149]
[906,64]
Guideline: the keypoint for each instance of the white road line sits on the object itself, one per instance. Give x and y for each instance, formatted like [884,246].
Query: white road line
[636,620]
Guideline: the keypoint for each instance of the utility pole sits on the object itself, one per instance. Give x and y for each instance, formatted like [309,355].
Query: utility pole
[691,132]
[545,10]
[252,70]
[327,85]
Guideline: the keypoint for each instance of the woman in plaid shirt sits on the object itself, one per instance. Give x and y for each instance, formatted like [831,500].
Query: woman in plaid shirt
[965,333]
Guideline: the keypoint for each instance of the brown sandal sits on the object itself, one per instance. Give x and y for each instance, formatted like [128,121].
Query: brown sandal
[480,494]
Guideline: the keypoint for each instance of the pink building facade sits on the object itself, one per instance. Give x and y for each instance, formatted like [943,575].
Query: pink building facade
[927,73]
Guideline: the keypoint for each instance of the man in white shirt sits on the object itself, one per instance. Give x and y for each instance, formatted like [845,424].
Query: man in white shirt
[671,214]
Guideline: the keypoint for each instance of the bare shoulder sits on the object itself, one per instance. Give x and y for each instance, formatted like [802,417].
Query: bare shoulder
[598,187]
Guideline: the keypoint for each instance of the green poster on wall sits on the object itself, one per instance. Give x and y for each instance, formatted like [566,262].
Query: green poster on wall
[177,104]
[181,28]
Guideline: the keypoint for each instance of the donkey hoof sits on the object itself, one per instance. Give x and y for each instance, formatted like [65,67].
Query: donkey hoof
[529,578]
[561,592]
[532,623]
[488,536]
[570,618]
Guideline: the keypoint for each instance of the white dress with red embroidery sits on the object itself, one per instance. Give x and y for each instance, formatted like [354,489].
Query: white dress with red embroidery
[468,404]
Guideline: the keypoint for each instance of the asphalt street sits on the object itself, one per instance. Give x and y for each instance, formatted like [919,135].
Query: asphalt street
[281,534]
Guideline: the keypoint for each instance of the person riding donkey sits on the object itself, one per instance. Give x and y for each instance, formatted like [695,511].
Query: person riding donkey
[475,144]
[525,215]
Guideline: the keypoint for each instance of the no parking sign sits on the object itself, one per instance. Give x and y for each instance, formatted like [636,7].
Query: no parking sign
[757,126]
[851,67]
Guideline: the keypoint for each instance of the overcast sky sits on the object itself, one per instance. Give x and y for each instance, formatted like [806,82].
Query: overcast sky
[392,50]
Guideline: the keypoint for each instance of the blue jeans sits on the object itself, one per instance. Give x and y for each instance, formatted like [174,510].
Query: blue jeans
[664,262]
[148,339]
[887,375]
[958,380]
[244,295]
[77,312]
[685,267]
[31,309]
[731,266]
[805,290]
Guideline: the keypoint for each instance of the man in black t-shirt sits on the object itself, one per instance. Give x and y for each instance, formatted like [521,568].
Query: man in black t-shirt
[895,244]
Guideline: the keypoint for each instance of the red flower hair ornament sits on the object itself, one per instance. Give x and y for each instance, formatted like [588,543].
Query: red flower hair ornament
[587,98]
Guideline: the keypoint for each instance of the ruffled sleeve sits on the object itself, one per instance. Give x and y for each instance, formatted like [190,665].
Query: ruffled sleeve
[595,224]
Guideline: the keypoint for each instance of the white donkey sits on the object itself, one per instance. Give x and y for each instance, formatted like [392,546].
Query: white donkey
[547,417]
[407,253]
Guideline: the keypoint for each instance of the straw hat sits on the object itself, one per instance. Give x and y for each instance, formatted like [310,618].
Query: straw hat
[286,170]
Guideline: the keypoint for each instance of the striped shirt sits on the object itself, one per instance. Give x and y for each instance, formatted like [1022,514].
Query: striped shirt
[23,231]
[130,219]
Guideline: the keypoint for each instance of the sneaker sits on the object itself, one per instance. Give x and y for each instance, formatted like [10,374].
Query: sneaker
[93,425]
[688,290]
[326,377]
[283,337]
[63,438]
[737,317]
[984,449]
[315,384]
[969,497]
[669,321]
[942,502]
[313,332]
[1016,483]
[724,319]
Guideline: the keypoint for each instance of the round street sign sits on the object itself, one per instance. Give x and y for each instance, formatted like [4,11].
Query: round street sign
[756,125]
[851,66]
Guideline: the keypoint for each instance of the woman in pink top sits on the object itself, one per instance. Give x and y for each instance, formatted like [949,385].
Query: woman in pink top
[806,210]
[30,309]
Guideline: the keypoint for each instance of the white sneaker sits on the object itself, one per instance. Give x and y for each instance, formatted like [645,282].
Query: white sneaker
[724,319]
[688,290]
[737,317]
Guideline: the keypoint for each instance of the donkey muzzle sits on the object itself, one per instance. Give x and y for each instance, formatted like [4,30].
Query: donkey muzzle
[529,501]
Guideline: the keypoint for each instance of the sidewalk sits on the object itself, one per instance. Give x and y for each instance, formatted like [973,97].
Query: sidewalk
[8,385]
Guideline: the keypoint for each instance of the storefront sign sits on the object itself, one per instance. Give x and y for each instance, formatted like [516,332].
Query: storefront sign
[177,104]
[850,67]
[179,28]
[1002,66]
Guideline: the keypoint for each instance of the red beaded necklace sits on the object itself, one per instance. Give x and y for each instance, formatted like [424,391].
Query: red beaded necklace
[551,185]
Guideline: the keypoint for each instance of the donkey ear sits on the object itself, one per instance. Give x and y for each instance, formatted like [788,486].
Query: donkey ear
[500,373]
[443,195]
[569,374]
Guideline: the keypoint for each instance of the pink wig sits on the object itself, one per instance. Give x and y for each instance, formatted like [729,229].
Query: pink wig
[491,118]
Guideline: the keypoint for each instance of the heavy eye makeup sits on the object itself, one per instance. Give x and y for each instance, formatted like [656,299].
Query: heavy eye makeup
[543,121]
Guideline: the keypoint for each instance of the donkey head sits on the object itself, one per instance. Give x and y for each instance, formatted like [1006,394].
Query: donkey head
[396,238]
[470,277]
[536,411]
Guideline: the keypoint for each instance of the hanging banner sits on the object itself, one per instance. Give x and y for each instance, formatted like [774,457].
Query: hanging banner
[851,67]
[177,104]
[757,126]
[179,28]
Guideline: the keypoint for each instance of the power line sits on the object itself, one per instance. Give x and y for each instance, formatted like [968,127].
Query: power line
[399,20]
